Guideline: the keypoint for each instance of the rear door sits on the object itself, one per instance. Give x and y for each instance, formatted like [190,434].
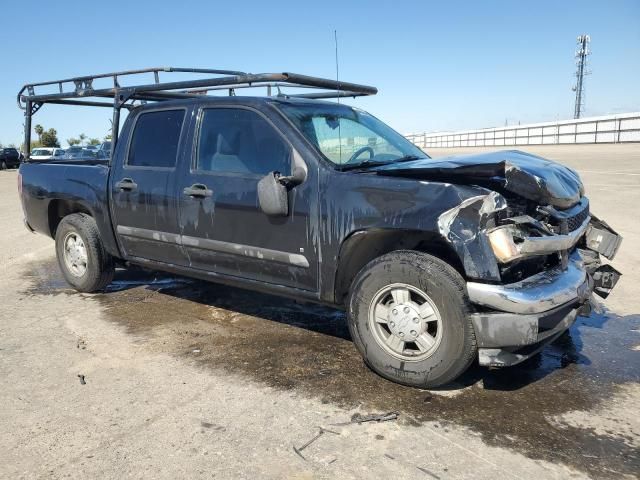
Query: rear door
[223,227]
[143,187]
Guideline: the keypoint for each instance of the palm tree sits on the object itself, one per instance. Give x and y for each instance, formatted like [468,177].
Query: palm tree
[39,129]
[82,137]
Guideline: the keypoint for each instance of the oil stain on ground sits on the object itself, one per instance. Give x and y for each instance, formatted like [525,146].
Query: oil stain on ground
[307,348]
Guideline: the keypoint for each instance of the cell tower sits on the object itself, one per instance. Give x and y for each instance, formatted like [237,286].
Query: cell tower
[582,52]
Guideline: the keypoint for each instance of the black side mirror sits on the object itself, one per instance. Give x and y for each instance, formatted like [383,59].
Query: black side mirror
[273,188]
[272,195]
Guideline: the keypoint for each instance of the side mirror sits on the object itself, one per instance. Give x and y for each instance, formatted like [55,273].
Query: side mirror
[273,188]
[272,195]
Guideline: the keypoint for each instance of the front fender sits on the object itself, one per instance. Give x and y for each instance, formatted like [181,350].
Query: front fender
[464,226]
[453,216]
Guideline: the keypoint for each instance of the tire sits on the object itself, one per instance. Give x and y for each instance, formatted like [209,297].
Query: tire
[3,166]
[451,346]
[99,267]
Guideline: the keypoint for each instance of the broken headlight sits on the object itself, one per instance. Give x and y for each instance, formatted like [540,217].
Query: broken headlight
[503,245]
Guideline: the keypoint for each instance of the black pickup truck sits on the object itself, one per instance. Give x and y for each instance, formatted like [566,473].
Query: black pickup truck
[437,262]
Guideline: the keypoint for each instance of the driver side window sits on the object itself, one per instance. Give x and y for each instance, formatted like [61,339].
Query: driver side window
[235,140]
[340,138]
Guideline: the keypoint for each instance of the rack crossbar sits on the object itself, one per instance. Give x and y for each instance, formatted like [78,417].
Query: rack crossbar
[79,91]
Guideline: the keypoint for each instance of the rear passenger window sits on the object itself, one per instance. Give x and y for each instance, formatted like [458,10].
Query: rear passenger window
[155,139]
[240,141]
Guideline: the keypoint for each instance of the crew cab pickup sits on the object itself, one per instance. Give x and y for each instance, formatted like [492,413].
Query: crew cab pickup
[437,262]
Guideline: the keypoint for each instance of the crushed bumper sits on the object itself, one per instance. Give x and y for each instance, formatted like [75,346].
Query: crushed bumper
[536,294]
[519,319]
[506,339]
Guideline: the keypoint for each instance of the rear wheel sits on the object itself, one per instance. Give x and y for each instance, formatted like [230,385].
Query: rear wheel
[409,318]
[84,262]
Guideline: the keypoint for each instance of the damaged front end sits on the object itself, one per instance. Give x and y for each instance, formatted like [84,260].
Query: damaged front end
[515,319]
[528,243]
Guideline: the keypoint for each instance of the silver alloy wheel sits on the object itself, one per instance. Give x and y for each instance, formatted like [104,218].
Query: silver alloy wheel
[405,322]
[75,254]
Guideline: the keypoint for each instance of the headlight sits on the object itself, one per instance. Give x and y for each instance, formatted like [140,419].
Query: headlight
[503,246]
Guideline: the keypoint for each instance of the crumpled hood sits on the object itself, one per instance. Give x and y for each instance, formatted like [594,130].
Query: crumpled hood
[528,176]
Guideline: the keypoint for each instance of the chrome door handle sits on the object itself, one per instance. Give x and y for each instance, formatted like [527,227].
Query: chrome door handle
[127,184]
[198,190]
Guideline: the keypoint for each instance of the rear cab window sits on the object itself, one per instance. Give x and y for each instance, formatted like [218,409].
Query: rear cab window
[155,139]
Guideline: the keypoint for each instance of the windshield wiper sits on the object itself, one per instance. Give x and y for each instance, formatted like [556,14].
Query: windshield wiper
[408,158]
[369,163]
[365,164]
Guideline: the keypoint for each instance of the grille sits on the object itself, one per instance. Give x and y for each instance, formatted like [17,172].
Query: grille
[578,219]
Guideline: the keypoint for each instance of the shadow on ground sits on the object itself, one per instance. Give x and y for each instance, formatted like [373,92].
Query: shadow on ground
[307,348]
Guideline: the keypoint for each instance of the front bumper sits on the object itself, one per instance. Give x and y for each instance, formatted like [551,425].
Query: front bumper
[517,320]
[536,294]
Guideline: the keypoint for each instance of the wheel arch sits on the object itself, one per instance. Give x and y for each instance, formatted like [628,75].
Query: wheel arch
[362,246]
[60,208]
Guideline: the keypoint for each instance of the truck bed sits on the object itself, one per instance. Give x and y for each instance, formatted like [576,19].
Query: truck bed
[51,188]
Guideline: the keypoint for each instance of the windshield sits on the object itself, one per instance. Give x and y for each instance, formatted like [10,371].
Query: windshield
[350,137]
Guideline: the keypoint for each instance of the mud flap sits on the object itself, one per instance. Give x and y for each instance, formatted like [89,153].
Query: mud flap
[601,238]
[605,278]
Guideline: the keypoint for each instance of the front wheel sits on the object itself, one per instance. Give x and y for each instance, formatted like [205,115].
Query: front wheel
[409,318]
[84,262]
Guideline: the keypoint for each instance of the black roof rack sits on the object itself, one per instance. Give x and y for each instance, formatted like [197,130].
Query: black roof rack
[82,87]
[80,91]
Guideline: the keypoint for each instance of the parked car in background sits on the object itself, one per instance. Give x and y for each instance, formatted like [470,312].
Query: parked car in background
[105,147]
[9,158]
[103,154]
[47,153]
[77,152]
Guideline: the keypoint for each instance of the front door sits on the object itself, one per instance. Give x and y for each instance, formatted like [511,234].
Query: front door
[223,228]
[143,188]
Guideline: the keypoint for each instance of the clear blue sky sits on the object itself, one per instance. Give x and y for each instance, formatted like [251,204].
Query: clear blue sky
[438,65]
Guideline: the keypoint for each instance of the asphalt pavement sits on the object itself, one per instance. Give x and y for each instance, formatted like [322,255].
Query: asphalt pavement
[168,377]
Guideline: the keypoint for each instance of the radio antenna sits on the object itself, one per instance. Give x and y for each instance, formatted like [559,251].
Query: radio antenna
[335,40]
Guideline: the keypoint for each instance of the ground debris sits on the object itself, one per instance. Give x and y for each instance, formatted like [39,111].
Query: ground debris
[431,474]
[82,381]
[321,432]
[372,417]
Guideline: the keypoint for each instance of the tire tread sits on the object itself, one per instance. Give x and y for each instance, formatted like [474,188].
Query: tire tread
[104,270]
[434,266]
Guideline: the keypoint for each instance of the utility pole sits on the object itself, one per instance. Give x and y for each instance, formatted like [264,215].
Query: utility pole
[582,51]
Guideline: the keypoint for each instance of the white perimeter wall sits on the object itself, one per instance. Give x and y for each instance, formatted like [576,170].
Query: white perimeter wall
[620,128]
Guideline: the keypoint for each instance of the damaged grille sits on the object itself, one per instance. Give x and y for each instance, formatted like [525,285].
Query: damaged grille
[574,222]
[566,221]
